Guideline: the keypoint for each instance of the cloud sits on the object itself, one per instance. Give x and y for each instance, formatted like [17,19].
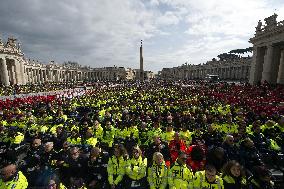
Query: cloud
[154,2]
[227,17]
[214,27]
[66,29]
[169,18]
[108,32]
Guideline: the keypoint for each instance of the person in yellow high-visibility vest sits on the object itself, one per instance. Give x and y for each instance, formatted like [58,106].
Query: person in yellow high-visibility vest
[169,134]
[158,172]
[12,179]
[234,175]
[53,183]
[180,176]
[136,169]
[208,179]
[75,138]
[108,134]
[116,167]
[90,140]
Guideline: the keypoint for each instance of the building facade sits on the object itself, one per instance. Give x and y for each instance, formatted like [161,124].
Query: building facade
[268,52]
[237,69]
[16,69]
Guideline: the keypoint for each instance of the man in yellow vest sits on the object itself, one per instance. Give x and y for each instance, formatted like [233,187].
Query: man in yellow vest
[12,179]
[180,176]
[208,179]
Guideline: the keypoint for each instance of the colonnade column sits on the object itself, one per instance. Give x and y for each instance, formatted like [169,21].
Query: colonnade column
[280,78]
[39,76]
[256,65]
[5,76]
[30,75]
[27,75]
[13,75]
[64,75]
[42,76]
[223,73]
[36,76]
[17,71]
[61,76]
[243,72]
[267,66]
[57,76]
[45,75]
[79,76]
[23,78]
[48,75]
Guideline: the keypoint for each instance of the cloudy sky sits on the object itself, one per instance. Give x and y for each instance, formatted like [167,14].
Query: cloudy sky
[107,32]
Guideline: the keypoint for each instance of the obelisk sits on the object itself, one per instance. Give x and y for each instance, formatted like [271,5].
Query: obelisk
[141,63]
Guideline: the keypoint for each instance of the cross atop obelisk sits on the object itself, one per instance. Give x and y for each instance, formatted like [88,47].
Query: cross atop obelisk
[141,62]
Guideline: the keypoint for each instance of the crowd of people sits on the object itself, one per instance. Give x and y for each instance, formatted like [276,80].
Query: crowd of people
[33,88]
[156,135]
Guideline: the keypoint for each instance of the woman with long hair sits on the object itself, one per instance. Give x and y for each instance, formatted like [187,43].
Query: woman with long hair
[233,175]
[116,167]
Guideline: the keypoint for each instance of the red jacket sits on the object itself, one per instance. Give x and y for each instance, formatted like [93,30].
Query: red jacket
[175,147]
[196,165]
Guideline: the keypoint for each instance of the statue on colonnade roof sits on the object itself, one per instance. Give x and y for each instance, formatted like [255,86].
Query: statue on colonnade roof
[271,20]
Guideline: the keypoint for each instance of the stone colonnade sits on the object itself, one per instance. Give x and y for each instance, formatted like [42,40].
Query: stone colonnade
[41,74]
[15,69]
[226,70]
[268,64]
[268,52]
[12,71]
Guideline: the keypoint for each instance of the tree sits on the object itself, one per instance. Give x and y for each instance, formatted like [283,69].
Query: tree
[241,51]
[226,56]
[249,49]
